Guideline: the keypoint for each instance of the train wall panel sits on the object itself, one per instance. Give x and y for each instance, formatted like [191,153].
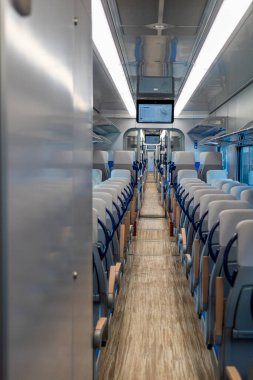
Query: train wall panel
[46,199]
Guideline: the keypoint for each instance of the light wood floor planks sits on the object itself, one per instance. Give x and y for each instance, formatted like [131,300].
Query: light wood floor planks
[151,206]
[155,333]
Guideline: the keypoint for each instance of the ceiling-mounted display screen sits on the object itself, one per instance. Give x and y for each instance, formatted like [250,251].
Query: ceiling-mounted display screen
[152,139]
[155,111]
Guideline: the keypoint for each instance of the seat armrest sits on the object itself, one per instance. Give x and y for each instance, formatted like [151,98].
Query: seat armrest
[99,331]
[205,282]
[219,308]
[232,373]
[118,271]
[196,262]
[111,286]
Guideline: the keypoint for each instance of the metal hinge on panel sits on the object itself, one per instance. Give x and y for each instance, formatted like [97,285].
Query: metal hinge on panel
[23,7]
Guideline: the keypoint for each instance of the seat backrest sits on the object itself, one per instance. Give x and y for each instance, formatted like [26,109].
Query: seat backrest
[182,160]
[215,207]
[237,190]
[208,198]
[226,187]
[94,226]
[121,173]
[100,206]
[247,195]
[228,221]
[204,191]
[117,187]
[185,174]
[123,159]
[190,180]
[213,175]
[189,184]
[209,161]
[100,161]
[108,190]
[220,182]
[96,176]
[193,188]
[107,197]
[244,243]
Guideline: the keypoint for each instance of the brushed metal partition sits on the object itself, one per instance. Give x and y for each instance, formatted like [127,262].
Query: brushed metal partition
[46,104]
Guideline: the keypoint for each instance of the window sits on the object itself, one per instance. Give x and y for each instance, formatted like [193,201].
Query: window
[246,165]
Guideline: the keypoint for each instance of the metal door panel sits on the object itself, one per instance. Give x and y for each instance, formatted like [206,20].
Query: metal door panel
[38,138]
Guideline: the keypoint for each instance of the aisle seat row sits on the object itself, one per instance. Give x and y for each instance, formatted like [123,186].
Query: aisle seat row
[114,214]
[213,227]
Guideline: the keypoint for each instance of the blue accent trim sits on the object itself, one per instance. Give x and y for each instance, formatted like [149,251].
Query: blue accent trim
[197,164]
[203,315]
[216,350]
[110,164]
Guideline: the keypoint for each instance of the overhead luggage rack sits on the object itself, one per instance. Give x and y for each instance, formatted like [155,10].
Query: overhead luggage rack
[96,139]
[208,127]
[241,137]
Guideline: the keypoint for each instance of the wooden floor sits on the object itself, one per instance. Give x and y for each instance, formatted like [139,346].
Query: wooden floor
[151,206]
[155,333]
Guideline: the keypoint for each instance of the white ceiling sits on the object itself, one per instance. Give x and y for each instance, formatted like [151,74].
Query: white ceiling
[146,51]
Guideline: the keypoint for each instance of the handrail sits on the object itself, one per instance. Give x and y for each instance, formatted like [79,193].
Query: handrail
[195,226]
[229,277]
[209,242]
[187,207]
[118,212]
[112,220]
[202,237]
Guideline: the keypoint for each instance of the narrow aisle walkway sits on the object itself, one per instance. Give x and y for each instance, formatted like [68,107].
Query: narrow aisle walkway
[151,206]
[155,332]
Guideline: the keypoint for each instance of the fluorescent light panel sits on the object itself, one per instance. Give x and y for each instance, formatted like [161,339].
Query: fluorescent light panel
[228,17]
[103,40]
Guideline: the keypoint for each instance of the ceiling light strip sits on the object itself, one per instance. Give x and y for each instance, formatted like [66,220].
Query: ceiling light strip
[103,40]
[227,19]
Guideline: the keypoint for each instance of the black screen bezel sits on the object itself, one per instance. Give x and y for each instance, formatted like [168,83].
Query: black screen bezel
[154,101]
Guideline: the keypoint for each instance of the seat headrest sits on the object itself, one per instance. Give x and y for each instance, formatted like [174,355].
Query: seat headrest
[96,176]
[215,207]
[207,198]
[226,187]
[121,173]
[94,226]
[188,185]
[204,191]
[100,206]
[247,195]
[237,190]
[108,190]
[123,157]
[210,158]
[193,188]
[228,221]
[244,248]
[213,175]
[100,157]
[186,173]
[183,158]
[220,182]
[107,197]
[122,181]
[112,185]
[190,180]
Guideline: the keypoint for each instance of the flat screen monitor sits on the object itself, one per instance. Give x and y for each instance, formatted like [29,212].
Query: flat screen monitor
[152,139]
[155,111]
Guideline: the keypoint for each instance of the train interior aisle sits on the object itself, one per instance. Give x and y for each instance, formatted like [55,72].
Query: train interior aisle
[155,332]
[126,197]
